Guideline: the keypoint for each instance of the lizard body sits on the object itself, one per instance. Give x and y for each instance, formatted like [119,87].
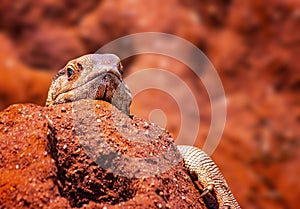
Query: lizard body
[99,76]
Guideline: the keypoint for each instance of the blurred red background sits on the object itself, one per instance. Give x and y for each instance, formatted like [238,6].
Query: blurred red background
[254,45]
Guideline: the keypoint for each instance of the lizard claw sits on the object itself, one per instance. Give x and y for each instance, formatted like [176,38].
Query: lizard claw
[208,189]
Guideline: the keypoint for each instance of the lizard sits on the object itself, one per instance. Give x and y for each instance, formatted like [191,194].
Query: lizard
[99,76]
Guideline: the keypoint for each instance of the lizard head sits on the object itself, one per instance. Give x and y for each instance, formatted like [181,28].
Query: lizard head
[92,76]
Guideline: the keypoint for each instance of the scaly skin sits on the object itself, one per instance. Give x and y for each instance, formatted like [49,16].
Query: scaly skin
[93,76]
[208,175]
[98,76]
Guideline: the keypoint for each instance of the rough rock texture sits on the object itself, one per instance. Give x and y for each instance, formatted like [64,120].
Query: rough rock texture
[28,172]
[254,46]
[44,161]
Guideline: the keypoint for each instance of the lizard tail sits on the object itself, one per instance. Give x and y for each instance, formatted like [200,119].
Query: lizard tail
[208,175]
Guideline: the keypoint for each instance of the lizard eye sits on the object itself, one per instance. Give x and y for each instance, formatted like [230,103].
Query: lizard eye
[70,72]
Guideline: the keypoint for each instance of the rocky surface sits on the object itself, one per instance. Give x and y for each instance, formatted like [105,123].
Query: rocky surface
[254,46]
[46,162]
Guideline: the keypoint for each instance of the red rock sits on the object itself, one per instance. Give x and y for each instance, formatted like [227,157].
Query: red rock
[45,160]
[18,83]
[50,48]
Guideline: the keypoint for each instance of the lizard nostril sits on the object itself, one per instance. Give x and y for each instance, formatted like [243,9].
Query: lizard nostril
[120,68]
[115,72]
